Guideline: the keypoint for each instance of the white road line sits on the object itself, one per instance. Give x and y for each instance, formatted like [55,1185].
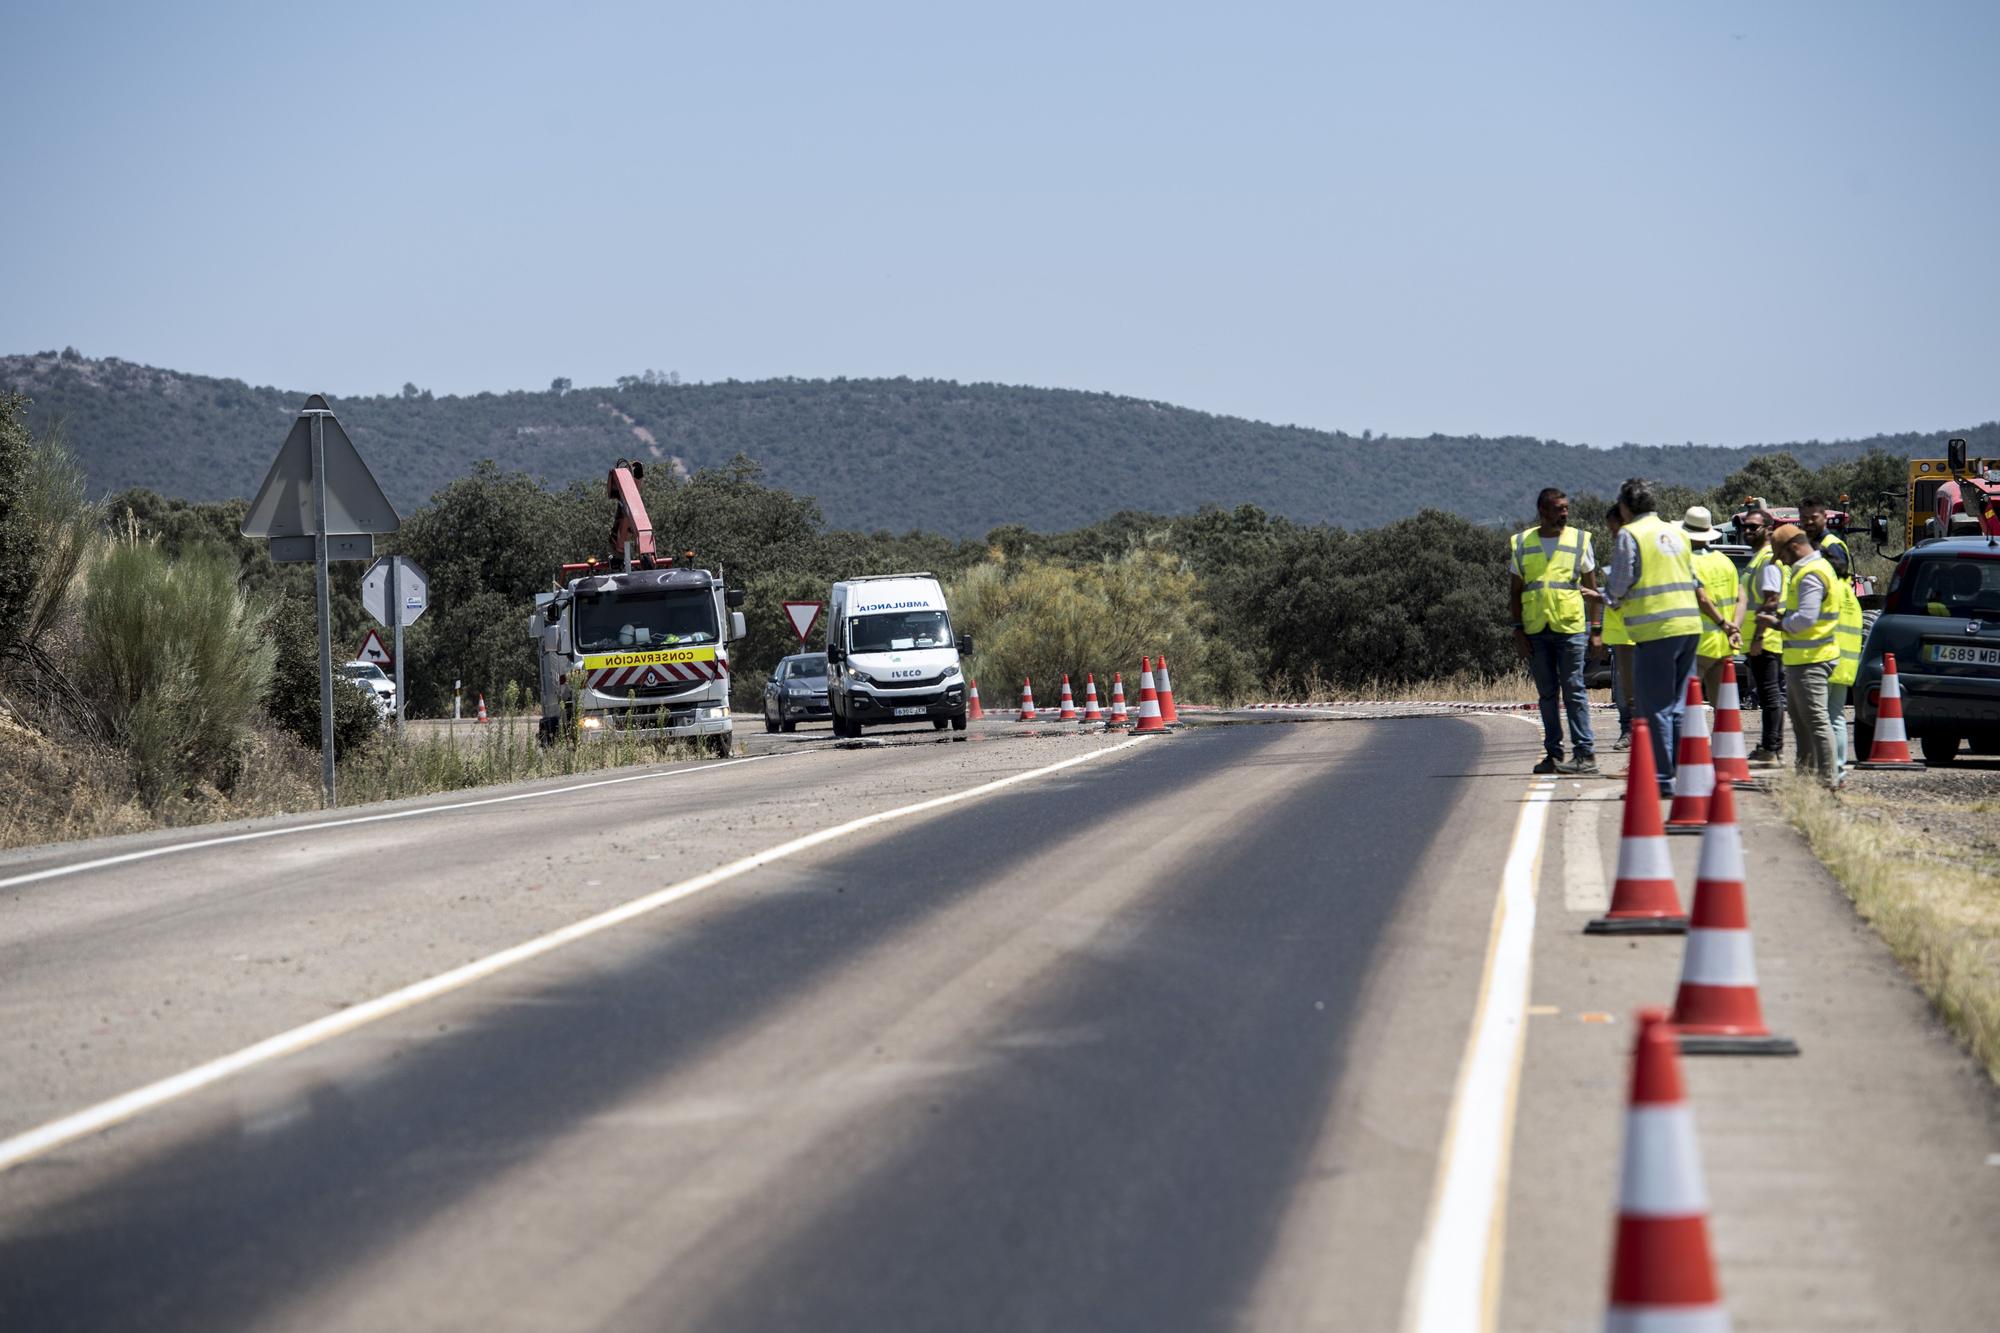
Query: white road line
[36,1141]
[146,854]
[1455,1277]
[1583,864]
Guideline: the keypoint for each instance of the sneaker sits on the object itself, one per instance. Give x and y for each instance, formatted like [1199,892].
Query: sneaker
[1548,766]
[1582,764]
[1760,755]
[1624,741]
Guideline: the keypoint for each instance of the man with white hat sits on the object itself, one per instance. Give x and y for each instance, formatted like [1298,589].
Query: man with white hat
[1716,573]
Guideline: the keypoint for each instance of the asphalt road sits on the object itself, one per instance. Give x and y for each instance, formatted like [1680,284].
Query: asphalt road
[1025,1029]
[1059,1057]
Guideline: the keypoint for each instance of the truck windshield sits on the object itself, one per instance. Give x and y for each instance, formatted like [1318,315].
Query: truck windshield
[899,630]
[608,621]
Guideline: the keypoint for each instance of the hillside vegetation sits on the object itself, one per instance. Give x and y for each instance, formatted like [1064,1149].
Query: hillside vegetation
[897,455]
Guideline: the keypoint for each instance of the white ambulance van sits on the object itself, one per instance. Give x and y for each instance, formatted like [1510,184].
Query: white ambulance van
[891,657]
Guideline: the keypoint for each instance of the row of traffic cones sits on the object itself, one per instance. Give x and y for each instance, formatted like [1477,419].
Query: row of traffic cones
[1662,1268]
[1156,710]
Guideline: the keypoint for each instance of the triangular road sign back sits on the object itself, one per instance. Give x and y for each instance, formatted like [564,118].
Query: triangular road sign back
[284,503]
[803,615]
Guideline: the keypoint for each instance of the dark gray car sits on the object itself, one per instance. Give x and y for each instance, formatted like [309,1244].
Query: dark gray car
[1941,618]
[796,692]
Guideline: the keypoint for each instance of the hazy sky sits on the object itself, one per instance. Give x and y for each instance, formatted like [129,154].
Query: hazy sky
[1724,223]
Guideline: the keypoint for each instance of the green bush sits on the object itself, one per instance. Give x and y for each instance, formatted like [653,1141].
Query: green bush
[292,701]
[1042,620]
[17,538]
[179,661]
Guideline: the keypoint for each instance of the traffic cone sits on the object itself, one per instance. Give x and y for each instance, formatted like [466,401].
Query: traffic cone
[1662,1272]
[482,709]
[1166,689]
[1694,769]
[1068,713]
[1149,701]
[1732,757]
[973,712]
[1643,900]
[1119,718]
[1716,1010]
[1891,748]
[1091,712]
[1027,699]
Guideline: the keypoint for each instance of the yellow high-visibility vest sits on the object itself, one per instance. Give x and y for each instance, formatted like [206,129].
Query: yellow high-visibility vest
[1833,539]
[1717,573]
[1847,629]
[1661,602]
[1770,640]
[1615,633]
[1817,642]
[1549,596]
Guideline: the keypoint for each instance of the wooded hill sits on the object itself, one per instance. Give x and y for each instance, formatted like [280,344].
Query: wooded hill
[899,455]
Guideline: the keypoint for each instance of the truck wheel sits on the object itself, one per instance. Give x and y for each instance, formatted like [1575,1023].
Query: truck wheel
[958,722]
[546,731]
[722,747]
[940,723]
[1939,749]
[1861,739]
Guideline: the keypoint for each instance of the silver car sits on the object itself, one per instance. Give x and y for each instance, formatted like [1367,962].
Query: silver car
[1941,618]
[796,692]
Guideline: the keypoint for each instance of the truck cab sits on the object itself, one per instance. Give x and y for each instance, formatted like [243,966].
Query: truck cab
[891,655]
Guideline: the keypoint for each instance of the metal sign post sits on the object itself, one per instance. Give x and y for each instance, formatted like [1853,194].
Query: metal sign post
[396,601]
[324,596]
[319,491]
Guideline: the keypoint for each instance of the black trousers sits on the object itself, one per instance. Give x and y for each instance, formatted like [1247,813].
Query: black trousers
[1767,673]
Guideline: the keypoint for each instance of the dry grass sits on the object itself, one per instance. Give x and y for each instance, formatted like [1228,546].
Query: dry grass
[1924,870]
[504,750]
[1513,688]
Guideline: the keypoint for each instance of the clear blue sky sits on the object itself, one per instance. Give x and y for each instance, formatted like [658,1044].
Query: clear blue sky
[1725,223]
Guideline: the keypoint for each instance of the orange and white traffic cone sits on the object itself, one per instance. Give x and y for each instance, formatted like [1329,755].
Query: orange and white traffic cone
[1891,747]
[482,709]
[1166,691]
[1119,717]
[1662,1271]
[973,712]
[1027,699]
[1068,713]
[1716,1010]
[1643,899]
[1092,714]
[1694,768]
[1732,757]
[1149,701]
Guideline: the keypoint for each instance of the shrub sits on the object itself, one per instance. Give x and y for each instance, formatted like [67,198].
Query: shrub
[179,661]
[292,700]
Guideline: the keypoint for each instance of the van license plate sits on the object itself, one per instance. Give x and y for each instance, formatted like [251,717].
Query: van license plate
[1961,654]
[911,712]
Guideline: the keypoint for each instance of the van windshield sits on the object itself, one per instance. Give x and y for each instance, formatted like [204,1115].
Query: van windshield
[608,621]
[897,631]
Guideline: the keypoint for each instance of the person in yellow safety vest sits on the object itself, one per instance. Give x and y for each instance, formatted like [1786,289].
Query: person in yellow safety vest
[1618,641]
[1812,517]
[1808,620]
[1716,573]
[1652,583]
[1848,629]
[1549,566]
[1763,584]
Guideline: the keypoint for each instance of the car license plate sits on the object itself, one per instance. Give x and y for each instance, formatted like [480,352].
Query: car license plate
[1962,654]
[911,712]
